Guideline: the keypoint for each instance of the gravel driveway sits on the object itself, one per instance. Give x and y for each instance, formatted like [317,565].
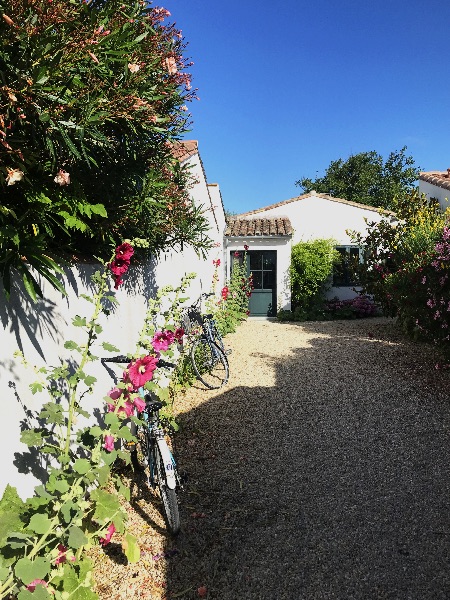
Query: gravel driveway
[320,472]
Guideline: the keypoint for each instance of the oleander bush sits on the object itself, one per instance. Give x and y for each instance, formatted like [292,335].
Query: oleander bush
[93,96]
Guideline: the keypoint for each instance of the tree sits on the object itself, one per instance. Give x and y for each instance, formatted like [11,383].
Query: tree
[92,96]
[365,178]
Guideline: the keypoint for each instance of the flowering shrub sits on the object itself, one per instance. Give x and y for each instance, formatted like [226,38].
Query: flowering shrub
[93,98]
[232,308]
[407,267]
[360,306]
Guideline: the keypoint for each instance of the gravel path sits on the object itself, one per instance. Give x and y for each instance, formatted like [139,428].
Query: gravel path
[320,472]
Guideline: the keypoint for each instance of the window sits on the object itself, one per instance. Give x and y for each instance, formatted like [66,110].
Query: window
[344,272]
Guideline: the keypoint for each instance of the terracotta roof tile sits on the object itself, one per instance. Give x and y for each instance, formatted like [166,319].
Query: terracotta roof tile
[274,226]
[439,178]
[184,149]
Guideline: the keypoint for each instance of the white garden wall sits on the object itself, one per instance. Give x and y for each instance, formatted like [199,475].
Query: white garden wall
[40,331]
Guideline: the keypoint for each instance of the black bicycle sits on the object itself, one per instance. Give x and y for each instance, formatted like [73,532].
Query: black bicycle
[151,453]
[207,353]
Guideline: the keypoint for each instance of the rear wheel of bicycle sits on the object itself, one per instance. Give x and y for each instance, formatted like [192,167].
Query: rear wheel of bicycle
[140,451]
[168,495]
[210,363]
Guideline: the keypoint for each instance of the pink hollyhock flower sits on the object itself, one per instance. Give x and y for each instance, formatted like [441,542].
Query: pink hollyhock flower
[109,443]
[224,293]
[178,335]
[14,175]
[237,254]
[124,251]
[62,177]
[32,586]
[141,370]
[139,403]
[109,533]
[119,266]
[162,340]
[245,247]
[127,408]
[115,393]
[216,263]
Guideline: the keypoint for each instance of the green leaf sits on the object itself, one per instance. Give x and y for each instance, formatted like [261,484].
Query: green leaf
[28,570]
[40,524]
[103,473]
[36,387]
[4,573]
[89,380]
[69,345]
[40,593]
[78,321]
[82,466]
[77,539]
[106,505]
[32,437]
[109,347]
[131,548]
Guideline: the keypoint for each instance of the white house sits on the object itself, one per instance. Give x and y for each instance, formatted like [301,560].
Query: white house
[436,185]
[269,233]
[40,330]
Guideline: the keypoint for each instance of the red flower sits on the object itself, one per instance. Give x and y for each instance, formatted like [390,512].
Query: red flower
[125,251]
[119,266]
[109,533]
[141,370]
[245,247]
[216,263]
[179,334]
[109,443]
[162,340]
[237,254]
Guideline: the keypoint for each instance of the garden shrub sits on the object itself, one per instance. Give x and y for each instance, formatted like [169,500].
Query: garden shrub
[311,268]
[93,98]
[407,268]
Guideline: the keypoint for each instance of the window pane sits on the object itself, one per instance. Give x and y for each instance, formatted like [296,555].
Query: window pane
[270,258]
[269,280]
[257,280]
[255,260]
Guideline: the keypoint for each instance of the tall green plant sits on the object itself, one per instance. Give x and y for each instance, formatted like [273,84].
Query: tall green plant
[311,267]
[92,97]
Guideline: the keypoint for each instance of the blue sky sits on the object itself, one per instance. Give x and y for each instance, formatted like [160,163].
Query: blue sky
[285,88]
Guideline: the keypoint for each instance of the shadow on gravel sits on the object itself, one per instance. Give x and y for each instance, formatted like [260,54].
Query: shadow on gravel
[332,484]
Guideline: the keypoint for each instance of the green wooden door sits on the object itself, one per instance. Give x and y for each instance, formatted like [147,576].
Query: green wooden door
[263,265]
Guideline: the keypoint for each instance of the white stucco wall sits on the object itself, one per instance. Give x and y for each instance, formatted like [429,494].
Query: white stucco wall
[282,246]
[40,330]
[435,191]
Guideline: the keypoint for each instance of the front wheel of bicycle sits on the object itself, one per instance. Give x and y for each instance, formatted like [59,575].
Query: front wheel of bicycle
[168,495]
[209,363]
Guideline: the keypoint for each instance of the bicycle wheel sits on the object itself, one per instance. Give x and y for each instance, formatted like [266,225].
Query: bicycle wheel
[168,495]
[209,363]
[140,451]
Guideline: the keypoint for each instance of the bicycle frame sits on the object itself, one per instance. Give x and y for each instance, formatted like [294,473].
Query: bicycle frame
[156,436]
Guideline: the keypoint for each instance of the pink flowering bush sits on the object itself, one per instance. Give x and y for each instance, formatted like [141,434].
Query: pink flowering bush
[407,268]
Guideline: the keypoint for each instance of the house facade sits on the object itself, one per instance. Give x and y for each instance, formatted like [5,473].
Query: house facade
[271,231]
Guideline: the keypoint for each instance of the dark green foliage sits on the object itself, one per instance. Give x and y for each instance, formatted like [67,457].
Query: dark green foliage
[367,179]
[311,267]
[92,98]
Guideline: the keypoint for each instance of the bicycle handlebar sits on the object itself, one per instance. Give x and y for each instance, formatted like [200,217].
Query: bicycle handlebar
[126,359]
